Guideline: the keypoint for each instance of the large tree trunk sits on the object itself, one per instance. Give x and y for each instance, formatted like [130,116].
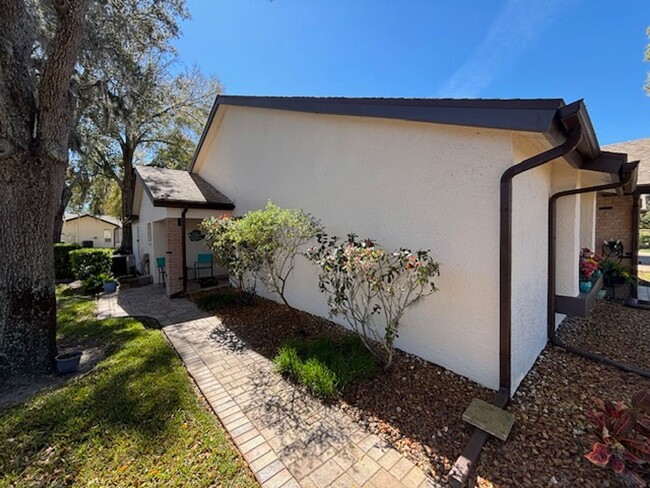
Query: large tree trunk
[33,159]
[30,190]
[66,195]
[127,187]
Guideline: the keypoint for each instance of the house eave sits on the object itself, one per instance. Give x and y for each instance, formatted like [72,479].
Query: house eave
[193,204]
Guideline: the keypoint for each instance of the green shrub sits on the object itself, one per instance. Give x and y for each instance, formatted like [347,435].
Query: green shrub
[62,268]
[325,366]
[90,264]
[213,301]
[644,240]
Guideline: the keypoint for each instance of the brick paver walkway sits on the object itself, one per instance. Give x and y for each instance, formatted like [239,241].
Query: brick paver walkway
[288,438]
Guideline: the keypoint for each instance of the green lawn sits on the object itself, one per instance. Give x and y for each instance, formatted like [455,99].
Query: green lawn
[135,420]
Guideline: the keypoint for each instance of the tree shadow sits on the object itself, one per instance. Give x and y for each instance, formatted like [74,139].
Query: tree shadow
[132,394]
[415,407]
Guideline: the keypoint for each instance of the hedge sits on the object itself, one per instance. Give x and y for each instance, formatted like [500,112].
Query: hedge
[91,262]
[62,267]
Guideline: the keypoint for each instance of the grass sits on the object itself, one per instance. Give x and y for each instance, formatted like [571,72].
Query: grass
[135,420]
[325,366]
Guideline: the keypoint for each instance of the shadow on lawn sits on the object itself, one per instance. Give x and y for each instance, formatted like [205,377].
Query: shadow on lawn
[414,401]
[131,394]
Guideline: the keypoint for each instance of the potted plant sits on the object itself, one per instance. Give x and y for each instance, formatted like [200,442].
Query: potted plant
[109,282]
[587,268]
[68,362]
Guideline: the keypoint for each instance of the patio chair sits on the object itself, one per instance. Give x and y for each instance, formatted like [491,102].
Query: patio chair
[162,270]
[203,261]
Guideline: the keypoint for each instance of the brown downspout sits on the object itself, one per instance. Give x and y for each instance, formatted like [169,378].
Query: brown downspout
[635,237]
[184,250]
[464,465]
[552,242]
[183,256]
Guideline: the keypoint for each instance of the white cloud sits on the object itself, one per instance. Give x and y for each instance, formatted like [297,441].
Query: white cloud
[510,35]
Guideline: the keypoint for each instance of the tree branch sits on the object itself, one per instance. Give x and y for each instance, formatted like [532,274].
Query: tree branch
[54,113]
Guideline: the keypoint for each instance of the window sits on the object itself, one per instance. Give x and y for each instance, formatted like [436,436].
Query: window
[108,235]
[149,232]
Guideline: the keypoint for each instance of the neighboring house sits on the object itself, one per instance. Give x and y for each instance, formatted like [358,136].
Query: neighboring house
[617,216]
[425,173]
[101,230]
[168,204]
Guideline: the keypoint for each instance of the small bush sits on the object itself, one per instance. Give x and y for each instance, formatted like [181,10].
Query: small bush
[644,240]
[62,268]
[213,301]
[90,264]
[325,366]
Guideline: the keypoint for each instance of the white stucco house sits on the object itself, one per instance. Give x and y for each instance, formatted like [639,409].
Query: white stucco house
[101,230]
[469,179]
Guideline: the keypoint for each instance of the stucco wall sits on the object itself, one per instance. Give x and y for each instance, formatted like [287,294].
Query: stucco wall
[530,194]
[147,214]
[403,183]
[88,228]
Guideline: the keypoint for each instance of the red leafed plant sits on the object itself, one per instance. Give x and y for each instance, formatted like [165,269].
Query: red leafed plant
[624,433]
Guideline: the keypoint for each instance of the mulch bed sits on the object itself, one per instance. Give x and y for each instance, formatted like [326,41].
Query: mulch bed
[417,406]
[551,434]
[612,330]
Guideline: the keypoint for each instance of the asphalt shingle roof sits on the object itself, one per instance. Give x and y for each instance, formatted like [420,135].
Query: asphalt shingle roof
[637,150]
[178,188]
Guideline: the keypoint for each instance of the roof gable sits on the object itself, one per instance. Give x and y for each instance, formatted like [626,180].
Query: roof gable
[109,219]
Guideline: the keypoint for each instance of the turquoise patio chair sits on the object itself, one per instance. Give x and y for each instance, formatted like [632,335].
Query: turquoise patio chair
[162,270]
[203,261]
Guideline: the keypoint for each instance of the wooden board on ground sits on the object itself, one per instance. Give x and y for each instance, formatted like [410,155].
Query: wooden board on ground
[491,419]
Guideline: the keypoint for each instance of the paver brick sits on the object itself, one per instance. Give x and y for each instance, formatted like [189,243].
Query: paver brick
[363,469]
[326,474]
[279,480]
[269,471]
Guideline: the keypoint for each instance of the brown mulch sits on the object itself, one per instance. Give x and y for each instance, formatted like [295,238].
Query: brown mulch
[417,406]
[612,330]
[551,434]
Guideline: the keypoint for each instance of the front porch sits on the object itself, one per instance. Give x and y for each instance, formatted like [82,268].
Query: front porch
[173,238]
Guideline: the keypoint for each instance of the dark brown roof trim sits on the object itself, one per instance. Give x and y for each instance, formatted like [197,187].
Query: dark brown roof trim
[191,204]
[94,217]
[529,115]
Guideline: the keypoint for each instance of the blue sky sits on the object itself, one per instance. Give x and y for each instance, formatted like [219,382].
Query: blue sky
[571,49]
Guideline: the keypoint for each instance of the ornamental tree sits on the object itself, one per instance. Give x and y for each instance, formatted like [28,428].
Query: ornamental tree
[233,251]
[261,245]
[278,235]
[371,288]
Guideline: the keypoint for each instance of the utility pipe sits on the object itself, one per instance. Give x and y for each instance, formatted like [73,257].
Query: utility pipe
[552,251]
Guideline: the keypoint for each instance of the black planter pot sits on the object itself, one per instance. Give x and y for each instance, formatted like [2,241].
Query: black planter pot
[68,362]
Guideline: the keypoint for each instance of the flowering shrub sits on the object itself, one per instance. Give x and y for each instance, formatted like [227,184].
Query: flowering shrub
[624,437]
[371,287]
